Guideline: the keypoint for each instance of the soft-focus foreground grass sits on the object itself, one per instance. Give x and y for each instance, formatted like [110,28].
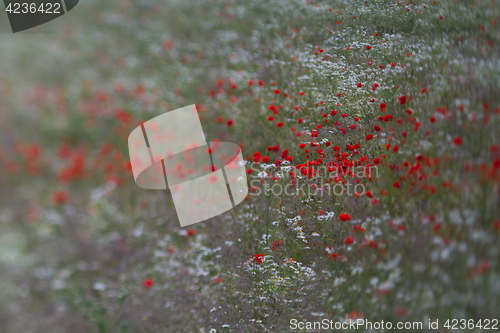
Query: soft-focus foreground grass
[82,249]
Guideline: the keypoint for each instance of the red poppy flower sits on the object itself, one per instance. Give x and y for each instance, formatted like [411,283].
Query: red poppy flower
[230,122]
[369,137]
[368,47]
[345,217]
[458,141]
[280,124]
[359,85]
[276,244]
[496,225]
[60,197]
[147,283]
[402,100]
[349,240]
[258,258]
[191,232]
[125,117]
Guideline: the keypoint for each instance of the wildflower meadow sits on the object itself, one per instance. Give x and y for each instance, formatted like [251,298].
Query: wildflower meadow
[370,132]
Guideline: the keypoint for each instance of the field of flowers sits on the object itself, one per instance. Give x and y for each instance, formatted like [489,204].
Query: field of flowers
[371,131]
